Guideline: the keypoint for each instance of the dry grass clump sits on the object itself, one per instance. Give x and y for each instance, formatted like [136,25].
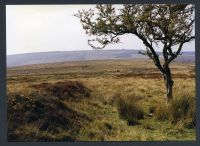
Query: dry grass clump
[161,112]
[129,109]
[182,108]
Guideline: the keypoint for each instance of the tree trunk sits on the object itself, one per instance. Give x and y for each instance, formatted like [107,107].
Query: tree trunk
[169,85]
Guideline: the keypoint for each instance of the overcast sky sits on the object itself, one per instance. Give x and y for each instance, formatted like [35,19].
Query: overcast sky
[43,28]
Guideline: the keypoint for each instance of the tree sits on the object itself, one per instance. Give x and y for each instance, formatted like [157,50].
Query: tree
[169,26]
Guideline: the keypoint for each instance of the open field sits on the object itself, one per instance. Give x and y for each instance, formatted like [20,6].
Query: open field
[82,101]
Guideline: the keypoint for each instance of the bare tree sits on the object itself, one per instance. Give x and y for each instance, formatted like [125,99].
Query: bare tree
[169,26]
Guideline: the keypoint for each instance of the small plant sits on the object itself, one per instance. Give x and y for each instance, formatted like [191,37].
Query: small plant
[130,110]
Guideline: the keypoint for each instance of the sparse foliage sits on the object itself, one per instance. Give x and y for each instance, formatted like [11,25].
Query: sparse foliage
[169,26]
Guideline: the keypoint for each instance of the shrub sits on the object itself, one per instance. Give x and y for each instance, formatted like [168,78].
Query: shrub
[130,110]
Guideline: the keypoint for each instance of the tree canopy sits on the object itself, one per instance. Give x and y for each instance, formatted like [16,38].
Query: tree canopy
[167,25]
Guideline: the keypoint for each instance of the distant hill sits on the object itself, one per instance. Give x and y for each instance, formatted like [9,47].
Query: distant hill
[63,56]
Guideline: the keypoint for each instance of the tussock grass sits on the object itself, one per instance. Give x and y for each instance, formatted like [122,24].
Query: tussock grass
[161,112]
[129,109]
[182,108]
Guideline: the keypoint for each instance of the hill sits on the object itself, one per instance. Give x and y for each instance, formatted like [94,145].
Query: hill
[64,56]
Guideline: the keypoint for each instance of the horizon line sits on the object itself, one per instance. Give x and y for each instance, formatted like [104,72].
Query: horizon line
[83,51]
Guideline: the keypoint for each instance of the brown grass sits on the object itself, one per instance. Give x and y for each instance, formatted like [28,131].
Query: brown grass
[46,112]
[129,109]
[64,90]
[76,101]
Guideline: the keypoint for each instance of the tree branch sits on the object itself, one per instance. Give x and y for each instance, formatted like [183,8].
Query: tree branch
[178,50]
[155,56]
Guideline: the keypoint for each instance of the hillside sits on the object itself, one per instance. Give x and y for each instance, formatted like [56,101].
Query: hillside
[63,56]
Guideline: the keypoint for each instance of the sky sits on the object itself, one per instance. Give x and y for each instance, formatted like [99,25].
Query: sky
[44,28]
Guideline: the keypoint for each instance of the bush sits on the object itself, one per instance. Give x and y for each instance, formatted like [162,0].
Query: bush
[182,108]
[130,110]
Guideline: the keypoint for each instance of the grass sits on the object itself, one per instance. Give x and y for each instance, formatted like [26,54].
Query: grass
[162,112]
[182,109]
[81,101]
[129,109]
[44,111]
